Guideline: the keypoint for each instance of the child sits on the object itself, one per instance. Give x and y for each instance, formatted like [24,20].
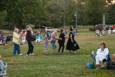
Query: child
[3,67]
[23,36]
[39,38]
[46,42]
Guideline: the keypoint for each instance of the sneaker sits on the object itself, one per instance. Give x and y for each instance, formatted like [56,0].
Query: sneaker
[32,54]
[20,54]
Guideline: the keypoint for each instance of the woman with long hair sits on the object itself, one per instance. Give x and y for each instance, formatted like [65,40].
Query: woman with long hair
[71,43]
[29,38]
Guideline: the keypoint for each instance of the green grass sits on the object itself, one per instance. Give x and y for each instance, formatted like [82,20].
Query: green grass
[55,65]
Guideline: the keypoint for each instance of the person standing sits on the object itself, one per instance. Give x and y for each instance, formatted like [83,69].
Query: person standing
[53,39]
[16,42]
[61,41]
[71,43]
[30,38]
[23,36]
[39,38]
[46,41]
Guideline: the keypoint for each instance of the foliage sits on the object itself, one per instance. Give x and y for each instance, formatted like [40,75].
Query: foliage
[53,13]
[95,10]
[111,14]
[3,15]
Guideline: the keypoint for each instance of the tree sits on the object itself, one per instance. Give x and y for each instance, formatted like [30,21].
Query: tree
[111,14]
[21,11]
[81,13]
[94,10]
[3,15]
[52,12]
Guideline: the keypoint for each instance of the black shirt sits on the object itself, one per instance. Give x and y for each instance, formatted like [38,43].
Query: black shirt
[29,36]
[62,36]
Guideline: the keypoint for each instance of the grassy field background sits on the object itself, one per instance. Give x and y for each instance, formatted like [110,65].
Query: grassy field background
[56,65]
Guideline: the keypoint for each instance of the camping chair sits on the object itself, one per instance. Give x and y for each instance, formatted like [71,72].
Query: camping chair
[107,61]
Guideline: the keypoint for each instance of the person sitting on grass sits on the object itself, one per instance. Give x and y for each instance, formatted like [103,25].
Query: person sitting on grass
[102,56]
[3,67]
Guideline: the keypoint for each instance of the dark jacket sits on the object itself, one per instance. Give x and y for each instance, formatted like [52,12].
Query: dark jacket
[29,36]
[62,40]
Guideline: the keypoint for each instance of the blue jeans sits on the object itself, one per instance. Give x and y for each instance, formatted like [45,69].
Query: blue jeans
[53,43]
[16,49]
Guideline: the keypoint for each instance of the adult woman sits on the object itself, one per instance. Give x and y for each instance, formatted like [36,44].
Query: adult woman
[102,55]
[71,43]
[16,41]
[53,39]
[29,38]
[61,41]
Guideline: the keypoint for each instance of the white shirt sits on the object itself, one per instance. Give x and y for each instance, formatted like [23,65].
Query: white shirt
[102,54]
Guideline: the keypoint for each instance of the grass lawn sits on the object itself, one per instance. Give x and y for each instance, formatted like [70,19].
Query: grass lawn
[55,65]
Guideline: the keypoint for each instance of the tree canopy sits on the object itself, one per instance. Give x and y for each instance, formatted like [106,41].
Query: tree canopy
[55,12]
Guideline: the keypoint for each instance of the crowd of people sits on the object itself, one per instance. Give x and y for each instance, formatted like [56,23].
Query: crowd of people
[28,36]
[101,58]
[66,40]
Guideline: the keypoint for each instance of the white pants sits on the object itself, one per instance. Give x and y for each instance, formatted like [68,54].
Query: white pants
[99,58]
